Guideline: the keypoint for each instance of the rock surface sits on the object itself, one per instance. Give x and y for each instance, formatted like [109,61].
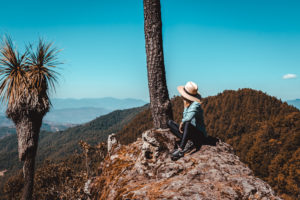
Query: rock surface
[144,170]
[112,143]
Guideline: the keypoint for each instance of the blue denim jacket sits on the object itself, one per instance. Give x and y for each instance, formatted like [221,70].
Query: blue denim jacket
[194,114]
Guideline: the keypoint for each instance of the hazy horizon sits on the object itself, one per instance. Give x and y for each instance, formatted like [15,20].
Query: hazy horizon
[220,45]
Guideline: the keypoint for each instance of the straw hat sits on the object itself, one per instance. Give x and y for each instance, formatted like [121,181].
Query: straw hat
[190,91]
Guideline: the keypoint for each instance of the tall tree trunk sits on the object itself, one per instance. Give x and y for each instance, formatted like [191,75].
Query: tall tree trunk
[28,129]
[159,97]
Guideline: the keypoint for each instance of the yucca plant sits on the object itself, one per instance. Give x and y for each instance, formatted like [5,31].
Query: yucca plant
[25,82]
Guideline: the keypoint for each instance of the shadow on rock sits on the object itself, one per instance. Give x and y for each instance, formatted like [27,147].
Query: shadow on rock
[200,140]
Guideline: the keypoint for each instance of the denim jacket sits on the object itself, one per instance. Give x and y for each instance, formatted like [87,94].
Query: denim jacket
[194,114]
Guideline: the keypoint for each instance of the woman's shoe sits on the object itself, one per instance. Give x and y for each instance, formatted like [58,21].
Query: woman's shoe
[173,151]
[188,147]
[177,154]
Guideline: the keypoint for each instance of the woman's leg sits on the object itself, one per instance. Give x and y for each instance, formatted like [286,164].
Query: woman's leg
[174,128]
[190,132]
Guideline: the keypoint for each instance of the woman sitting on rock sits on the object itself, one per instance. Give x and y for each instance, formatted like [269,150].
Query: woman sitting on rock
[191,129]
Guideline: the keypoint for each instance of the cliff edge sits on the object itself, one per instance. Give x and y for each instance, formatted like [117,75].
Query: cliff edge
[144,170]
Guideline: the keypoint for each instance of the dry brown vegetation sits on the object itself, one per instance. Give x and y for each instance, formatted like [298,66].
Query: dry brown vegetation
[264,132]
[59,180]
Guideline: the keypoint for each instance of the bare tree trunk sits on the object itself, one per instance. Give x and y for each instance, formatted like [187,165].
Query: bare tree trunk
[28,171]
[28,133]
[159,97]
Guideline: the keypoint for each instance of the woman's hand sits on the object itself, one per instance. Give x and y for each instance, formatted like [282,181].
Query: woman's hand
[181,127]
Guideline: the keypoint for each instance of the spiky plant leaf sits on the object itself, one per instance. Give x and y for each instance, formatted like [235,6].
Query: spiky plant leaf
[13,67]
[41,62]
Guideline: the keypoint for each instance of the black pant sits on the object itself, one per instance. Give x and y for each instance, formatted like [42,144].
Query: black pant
[190,132]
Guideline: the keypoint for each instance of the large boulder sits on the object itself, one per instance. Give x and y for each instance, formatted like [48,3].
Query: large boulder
[144,170]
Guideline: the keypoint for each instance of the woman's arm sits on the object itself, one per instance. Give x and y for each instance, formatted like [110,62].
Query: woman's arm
[188,116]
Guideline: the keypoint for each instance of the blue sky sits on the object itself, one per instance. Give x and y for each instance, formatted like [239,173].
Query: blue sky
[215,43]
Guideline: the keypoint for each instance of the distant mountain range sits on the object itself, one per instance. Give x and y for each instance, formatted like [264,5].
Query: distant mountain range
[5,131]
[57,145]
[66,113]
[5,122]
[108,103]
[79,111]
[7,127]
[263,131]
[74,115]
[295,103]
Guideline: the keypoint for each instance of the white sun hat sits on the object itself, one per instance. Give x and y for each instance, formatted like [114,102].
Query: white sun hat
[190,91]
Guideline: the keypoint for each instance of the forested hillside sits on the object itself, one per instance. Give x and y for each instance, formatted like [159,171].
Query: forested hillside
[5,131]
[64,179]
[264,132]
[8,128]
[59,145]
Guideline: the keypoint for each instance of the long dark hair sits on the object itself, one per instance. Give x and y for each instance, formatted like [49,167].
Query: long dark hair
[187,100]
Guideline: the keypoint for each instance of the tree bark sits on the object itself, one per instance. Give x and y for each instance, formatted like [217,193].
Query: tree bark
[28,129]
[159,97]
[28,171]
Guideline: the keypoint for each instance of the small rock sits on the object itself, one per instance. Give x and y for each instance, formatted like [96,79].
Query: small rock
[87,189]
[112,143]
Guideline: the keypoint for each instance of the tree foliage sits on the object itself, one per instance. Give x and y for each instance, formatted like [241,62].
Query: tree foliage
[264,132]
[64,144]
[13,68]
[55,180]
[27,77]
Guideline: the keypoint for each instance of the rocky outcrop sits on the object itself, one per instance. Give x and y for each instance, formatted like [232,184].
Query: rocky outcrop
[144,170]
[112,143]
